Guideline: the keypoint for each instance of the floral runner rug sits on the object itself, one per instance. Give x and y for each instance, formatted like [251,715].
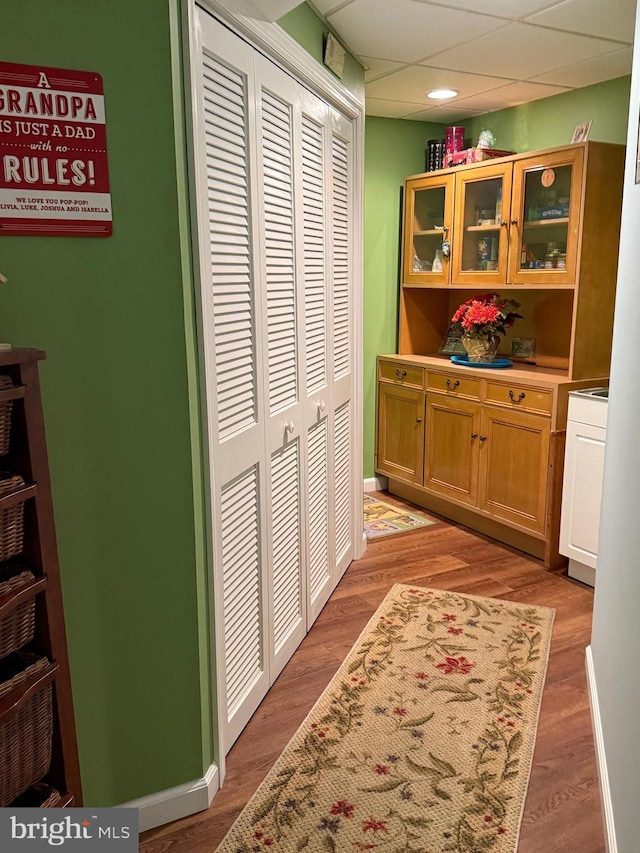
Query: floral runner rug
[383,519]
[423,740]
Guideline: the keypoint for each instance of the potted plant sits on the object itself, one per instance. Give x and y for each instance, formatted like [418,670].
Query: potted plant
[483,320]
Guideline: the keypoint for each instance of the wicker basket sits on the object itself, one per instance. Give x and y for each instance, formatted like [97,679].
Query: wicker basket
[18,623]
[41,796]
[5,416]
[26,723]
[11,518]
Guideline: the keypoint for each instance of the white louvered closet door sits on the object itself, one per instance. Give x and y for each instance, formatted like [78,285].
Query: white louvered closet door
[345,510]
[274,209]
[277,98]
[233,311]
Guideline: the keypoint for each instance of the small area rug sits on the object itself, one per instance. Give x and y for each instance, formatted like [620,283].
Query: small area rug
[383,519]
[422,741]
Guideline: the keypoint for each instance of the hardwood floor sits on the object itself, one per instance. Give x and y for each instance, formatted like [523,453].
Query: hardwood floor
[562,811]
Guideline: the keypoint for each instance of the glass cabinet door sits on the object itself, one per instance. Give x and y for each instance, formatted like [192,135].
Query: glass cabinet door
[428,207]
[480,243]
[545,218]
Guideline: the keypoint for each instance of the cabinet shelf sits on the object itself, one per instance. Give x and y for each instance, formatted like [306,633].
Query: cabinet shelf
[545,223]
[432,232]
[494,227]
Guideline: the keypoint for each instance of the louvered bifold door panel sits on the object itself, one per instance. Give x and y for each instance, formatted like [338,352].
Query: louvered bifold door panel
[319,568]
[278,133]
[232,272]
[288,587]
[341,261]
[314,251]
[232,340]
[279,270]
[343,487]
[244,612]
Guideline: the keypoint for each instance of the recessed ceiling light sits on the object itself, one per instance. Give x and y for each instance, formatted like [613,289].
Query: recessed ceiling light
[442,94]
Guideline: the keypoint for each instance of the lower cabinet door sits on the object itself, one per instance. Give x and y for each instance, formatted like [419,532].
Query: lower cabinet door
[400,432]
[452,446]
[514,465]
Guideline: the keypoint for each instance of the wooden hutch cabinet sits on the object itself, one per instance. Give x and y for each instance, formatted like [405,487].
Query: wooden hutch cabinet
[485,446]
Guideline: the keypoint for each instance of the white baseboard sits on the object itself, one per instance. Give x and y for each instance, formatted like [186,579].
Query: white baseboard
[174,803]
[376,484]
[603,775]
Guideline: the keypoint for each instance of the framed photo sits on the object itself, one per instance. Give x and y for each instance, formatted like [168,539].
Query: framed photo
[452,344]
[523,347]
[581,133]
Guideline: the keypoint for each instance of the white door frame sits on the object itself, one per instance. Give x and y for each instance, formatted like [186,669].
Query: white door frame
[272,41]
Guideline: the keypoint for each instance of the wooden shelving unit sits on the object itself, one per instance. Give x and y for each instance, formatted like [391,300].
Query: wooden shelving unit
[27,457]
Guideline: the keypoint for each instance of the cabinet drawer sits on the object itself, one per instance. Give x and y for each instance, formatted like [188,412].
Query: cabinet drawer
[391,371]
[455,385]
[520,397]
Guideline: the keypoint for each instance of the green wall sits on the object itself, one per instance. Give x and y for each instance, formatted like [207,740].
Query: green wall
[551,121]
[308,30]
[122,431]
[393,150]
[540,124]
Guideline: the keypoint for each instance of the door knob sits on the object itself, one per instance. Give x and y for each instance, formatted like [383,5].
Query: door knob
[289,426]
[474,435]
[514,221]
[418,420]
[483,438]
[321,406]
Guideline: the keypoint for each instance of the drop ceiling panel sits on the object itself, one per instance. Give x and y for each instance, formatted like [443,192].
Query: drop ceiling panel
[522,51]
[514,9]
[391,109]
[613,19]
[413,83]
[404,30]
[510,96]
[444,115]
[374,68]
[606,67]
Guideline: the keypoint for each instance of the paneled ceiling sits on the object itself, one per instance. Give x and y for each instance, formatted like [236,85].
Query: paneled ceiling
[495,53]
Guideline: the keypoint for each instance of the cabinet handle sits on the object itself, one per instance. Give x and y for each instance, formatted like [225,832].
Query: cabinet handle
[483,438]
[517,399]
[474,435]
[289,426]
[418,420]
[504,223]
[514,221]
[452,387]
[400,374]
[321,406]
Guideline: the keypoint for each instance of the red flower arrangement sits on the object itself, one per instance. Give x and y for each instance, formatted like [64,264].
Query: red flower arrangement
[486,316]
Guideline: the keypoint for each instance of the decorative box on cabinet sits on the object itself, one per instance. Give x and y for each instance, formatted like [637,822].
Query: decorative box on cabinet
[31,612]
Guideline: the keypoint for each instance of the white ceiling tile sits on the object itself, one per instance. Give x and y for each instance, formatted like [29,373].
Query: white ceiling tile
[413,83]
[405,30]
[522,51]
[327,6]
[614,19]
[445,115]
[513,9]
[374,68]
[389,109]
[511,96]
[606,67]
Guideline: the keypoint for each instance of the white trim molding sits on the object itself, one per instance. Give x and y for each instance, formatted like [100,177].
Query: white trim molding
[601,759]
[174,803]
[376,484]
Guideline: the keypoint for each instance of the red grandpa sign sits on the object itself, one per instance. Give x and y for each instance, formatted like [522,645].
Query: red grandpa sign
[54,178]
